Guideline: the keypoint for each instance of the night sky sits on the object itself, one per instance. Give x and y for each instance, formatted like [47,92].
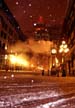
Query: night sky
[27,12]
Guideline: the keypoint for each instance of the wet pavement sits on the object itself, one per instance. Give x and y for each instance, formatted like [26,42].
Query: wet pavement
[31,91]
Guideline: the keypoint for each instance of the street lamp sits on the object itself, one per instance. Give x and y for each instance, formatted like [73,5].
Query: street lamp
[53,53]
[63,49]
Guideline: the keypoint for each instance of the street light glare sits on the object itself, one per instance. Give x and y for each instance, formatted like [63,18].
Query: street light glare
[60,50]
[66,50]
[54,51]
[13,59]
[17,60]
[63,42]
[63,47]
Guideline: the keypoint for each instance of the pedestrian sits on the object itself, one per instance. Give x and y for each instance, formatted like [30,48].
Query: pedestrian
[57,71]
[63,72]
[42,72]
[6,68]
[48,72]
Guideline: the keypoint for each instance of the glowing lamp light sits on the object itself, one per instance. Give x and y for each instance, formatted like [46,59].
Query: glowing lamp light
[63,42]
[66,50]
[6,56]
[13,59]
[5,77]
[12,75]
[17,3]
[40,67]
[32,65]
[6,47]
[53,51]
[60,50]
[63,47]
[35,24]
[17,60]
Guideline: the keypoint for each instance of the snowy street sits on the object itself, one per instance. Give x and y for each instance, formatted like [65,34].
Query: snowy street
[37,92]
[37,53]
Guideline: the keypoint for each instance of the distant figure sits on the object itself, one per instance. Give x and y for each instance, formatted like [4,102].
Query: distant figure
[48,72]
[63,72]
[6,68]
[53,71]
[42,72]
[57,71]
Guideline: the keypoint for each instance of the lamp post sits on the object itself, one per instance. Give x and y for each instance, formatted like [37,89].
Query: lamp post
[53,53]
[63,49]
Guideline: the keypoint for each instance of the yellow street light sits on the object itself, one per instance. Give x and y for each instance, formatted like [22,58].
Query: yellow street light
[53,53]
[63,48]
[18,60]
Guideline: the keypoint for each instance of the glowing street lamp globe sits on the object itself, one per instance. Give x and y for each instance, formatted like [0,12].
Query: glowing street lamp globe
[63,48]
[53,51]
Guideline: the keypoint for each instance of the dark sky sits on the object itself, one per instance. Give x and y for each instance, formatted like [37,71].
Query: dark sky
[27,12]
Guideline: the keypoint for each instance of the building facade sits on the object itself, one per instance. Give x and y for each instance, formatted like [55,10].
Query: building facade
[69,31]
[8,36]
[10,32]
[41,32]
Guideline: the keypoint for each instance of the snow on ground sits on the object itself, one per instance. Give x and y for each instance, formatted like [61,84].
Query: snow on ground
[20,98]
[42,92]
